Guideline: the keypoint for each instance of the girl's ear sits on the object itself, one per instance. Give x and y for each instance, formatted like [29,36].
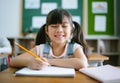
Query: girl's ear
[72,30]
[71,35]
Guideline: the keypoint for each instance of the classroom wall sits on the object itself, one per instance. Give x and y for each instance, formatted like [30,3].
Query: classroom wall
[10,17]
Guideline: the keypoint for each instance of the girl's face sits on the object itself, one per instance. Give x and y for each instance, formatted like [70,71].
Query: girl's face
[60,33]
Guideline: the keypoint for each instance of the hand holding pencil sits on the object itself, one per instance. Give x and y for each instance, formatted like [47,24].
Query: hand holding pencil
[32,54]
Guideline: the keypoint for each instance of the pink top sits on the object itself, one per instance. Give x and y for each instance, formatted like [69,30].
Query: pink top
[51,55]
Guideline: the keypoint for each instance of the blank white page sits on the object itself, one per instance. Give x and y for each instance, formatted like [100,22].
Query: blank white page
[47,71]
[106,73]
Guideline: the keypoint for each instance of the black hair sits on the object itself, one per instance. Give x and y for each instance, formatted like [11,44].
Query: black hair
[41,36]
[56,16]
[78,37]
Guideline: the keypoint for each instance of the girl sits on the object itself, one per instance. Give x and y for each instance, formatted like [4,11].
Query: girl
[57,36]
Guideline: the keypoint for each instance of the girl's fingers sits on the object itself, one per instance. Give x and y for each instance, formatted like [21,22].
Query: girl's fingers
[44,62]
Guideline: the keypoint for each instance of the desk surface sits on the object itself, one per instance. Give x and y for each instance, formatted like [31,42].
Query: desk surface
[97,57]
[7,77]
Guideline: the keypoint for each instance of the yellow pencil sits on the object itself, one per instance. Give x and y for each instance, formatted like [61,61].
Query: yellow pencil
[31,53]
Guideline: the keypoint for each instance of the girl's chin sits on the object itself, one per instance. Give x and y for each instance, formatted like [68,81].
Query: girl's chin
[60,42]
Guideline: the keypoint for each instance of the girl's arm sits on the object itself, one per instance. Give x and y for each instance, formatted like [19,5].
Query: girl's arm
[79,60]
[26,60]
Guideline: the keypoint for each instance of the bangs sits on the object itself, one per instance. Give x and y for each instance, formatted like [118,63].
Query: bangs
[56,17]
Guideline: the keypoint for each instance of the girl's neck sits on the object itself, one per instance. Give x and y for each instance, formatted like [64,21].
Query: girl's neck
[58,48]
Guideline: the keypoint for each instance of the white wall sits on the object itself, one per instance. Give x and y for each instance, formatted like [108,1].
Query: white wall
[10,18]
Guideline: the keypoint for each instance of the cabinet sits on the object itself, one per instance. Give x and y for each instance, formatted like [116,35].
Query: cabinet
[27,42]
[109,46]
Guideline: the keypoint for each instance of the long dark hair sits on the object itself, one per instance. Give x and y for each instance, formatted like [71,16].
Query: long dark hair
[41,36]
[78,37]
[56,16]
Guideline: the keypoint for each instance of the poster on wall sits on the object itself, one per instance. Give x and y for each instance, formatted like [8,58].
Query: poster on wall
[99,7]
[38,21]
[47,7]
[32,4]
[70,4]
[100,23]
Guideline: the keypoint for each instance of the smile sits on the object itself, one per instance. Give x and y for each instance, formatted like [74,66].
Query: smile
[59,36]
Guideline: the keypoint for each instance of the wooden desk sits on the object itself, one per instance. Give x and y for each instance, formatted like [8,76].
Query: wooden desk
[97,58]
[7,77]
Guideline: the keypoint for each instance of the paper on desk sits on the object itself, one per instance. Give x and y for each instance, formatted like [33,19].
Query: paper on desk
[47,71]
[105,74]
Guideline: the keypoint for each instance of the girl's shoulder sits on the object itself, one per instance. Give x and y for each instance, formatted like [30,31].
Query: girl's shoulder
[40,46]
[76,45]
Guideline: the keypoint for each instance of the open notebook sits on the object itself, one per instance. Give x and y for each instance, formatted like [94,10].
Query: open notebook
[47,71]
[105,74]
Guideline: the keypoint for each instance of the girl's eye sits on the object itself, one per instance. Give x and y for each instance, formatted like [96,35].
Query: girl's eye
[65,26]
[54,26]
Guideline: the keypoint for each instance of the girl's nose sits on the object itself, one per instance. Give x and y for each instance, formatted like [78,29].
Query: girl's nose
[59,29]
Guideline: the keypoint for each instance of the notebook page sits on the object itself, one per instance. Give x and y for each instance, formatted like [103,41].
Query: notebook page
[105,73]
[47,71]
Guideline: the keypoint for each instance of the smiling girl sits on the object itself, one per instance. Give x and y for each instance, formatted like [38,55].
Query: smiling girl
[60,41]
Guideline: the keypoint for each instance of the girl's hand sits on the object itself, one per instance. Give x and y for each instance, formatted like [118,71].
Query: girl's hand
[36,64]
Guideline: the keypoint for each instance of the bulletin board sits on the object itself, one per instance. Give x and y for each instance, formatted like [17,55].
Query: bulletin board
[34,12]
[101,17]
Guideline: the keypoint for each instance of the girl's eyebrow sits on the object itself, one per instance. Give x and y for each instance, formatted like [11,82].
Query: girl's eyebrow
[65,22]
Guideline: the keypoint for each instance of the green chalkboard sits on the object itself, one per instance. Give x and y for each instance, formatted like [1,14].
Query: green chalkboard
[28,12]
[105,13]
